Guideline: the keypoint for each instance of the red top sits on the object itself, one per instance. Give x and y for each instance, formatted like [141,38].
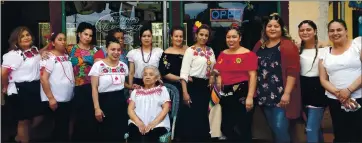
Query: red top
[233,68]
[99,54]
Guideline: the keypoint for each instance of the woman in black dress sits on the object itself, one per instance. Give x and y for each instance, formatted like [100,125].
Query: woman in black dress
[171,60]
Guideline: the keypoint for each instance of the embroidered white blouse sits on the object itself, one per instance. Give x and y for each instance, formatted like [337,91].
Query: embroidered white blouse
[149,103]
[25,66]
[135,56]
[61,77]
[345,68]
[110,78]
[197,63]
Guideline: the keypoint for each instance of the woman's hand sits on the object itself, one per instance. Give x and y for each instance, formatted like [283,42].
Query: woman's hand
[44,54]
[249,103]
[344,95]
[150,126]
[53,104]
[99,115]
[187,99]
[141,128]
[284,101]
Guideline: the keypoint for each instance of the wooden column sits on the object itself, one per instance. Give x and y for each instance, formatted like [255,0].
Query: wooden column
[176,13]
[55,10]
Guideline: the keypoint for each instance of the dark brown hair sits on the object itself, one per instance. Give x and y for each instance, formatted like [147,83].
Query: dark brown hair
[302,45]
[15,37]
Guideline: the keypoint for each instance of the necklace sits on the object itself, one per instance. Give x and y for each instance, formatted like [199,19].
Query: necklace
[149,57]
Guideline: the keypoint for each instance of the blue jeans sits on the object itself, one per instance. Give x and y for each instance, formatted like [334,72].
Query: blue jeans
[313,126]
[279,123]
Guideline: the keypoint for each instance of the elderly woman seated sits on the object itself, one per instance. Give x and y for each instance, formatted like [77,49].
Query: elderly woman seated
[148,109]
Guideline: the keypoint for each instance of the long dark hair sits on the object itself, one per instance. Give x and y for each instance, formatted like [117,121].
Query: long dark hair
[302,45]
[285,33]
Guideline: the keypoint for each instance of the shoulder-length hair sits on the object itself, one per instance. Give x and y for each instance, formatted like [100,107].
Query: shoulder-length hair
[15,37]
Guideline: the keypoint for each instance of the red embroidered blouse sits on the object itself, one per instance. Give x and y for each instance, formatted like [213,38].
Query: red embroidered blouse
[233,68]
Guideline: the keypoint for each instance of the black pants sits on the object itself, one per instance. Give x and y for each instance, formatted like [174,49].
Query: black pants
[85,126]
[152,136]
[236,121]
[115,123]
[61,117]
[193,121]
[347,126]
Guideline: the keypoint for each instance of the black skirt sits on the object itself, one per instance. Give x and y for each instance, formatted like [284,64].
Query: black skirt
[193,123]
[85,125]
[312,92]
[115,123]
[28,103]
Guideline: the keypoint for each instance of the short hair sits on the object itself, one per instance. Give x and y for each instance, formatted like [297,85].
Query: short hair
[155,69]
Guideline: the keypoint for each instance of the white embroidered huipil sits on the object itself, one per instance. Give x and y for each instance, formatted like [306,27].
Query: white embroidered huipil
[25,66]
[110,78]
[148,103]
[195,63]
[135,56]
[61,78]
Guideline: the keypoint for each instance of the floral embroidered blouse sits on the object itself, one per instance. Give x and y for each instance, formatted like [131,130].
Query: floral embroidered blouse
[197,63]
[170,64]
[82,61]
[269,80]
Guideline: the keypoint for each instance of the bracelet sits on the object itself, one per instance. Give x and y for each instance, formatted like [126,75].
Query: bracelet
[349,90]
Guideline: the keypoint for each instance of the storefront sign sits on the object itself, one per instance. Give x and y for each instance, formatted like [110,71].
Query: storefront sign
[227,15]
[116,20]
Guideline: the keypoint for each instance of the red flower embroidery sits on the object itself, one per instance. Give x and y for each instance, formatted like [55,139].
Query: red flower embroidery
[102,64]
[105,71]
[10,77]
[34,51]
[122,70]
[116,78]
[114,70]
[196,53]
[202,54]
[121,65]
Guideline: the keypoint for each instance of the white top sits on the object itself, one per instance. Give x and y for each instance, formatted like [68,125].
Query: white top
[306,61]
[344,69]
[25,67]
[61,77]
[110,78]
[135,56]
[149,103]
[194,63]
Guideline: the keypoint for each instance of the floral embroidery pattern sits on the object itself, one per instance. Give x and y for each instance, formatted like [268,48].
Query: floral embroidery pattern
[207,53]
[30,53]
[61,59]
[82,61]
[166,63]
[145,92]
[238,60]
[109,70]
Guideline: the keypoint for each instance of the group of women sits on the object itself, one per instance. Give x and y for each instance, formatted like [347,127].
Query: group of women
[84,87]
